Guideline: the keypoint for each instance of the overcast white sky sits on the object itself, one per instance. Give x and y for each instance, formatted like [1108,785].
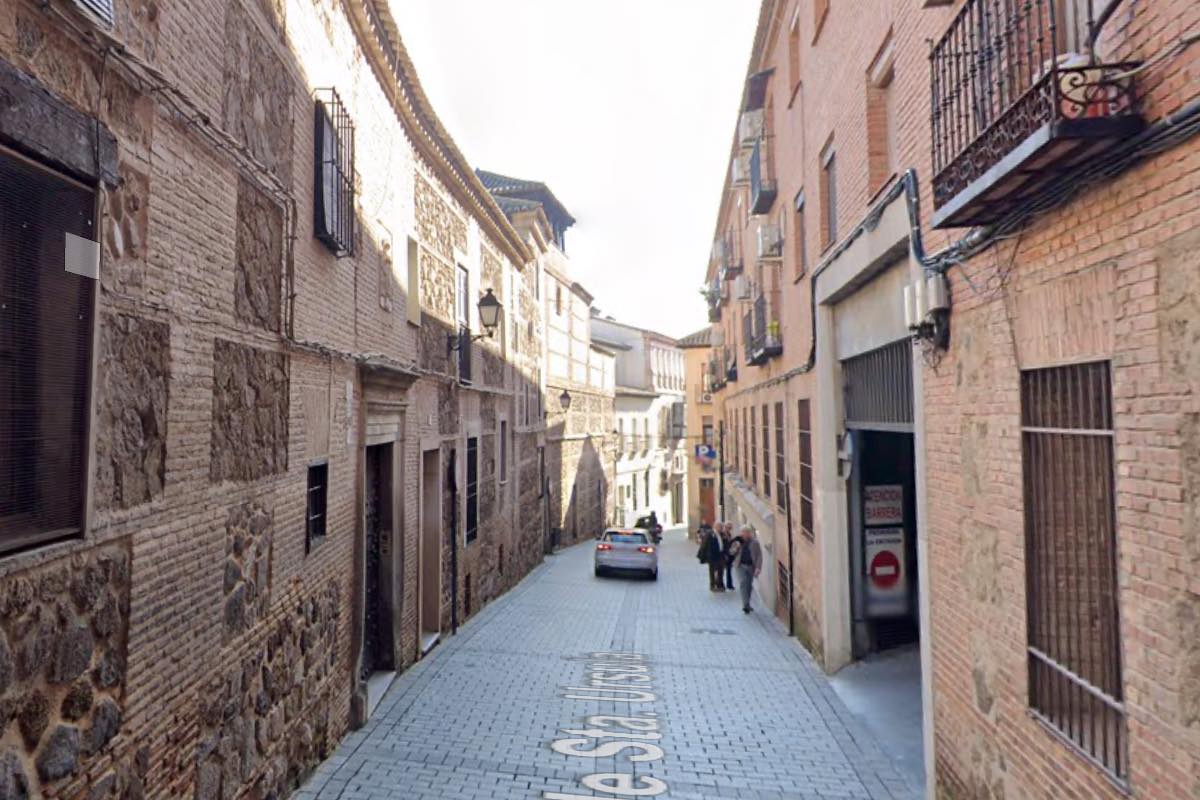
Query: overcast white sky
[624,108]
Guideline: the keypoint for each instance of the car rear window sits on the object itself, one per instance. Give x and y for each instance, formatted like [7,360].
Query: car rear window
[628,538]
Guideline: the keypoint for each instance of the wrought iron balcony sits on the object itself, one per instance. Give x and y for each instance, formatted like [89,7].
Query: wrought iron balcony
[1012,113]
[729,249]
[731,372]
[762,340]
[762,177]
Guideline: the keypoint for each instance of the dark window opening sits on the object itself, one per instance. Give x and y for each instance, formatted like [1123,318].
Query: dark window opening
[805,484]
[503,450]
[766,451]
[780,476]
[46,319]
[315,514]
[333,198]
[472,522]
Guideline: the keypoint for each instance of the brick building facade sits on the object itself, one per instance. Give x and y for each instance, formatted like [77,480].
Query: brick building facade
[1032,423]
[291,462]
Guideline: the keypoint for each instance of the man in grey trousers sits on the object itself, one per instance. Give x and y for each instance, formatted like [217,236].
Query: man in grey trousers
[749,561]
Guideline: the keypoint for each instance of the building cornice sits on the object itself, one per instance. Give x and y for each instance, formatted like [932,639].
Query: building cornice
[376,30]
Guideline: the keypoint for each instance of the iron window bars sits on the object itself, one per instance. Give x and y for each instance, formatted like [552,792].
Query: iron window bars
[471,528]
[1075,684]
[333,198]
[804,435]
[315,508]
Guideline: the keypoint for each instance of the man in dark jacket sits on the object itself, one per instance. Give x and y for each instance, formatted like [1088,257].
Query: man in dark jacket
[714,555]
[725,530]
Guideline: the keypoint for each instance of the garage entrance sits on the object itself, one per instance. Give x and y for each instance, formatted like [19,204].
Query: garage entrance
[882,499]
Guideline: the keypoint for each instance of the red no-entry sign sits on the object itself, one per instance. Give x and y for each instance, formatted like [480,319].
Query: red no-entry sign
[887,590]
[885,569]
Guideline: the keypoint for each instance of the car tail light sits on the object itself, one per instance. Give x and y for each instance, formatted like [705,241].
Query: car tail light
[603,546]
[645,549]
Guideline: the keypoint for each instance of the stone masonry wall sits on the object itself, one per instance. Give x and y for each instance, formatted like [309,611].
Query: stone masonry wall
[188,644]
[63,629]
[131,423]
[250,412]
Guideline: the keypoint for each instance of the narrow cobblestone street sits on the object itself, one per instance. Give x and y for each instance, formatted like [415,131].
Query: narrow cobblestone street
[742,711]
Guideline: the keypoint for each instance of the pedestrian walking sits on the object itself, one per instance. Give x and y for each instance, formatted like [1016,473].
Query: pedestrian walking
[725,529]
[749,564]
[714,556]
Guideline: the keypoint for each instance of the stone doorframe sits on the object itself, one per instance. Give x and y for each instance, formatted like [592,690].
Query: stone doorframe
[381,419]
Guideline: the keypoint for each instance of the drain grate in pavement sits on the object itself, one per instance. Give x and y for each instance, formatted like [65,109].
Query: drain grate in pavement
[715,631]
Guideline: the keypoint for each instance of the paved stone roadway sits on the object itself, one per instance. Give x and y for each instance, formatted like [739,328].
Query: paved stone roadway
[744,711]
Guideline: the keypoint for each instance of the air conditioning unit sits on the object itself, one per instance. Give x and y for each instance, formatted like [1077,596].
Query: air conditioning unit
[741,288]
[770,241]
[739,171]
[706,397]
[750,127]
[99,12]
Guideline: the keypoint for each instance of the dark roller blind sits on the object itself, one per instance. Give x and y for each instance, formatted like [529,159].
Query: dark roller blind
[45,354]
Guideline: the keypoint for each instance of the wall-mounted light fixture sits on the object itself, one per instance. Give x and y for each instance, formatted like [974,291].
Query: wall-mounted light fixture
[564,400]
[489,318]
[927,310]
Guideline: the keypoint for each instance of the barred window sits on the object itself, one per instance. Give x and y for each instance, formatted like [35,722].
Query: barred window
[805,484]
[472,522]
[1071,559]
[753,447]
[766,451]
[318,493]
[780,471]
[333,197]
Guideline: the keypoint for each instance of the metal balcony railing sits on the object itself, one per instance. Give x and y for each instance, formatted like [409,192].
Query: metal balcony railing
[1006,96]
[762,177]
[732,258]
[762,336]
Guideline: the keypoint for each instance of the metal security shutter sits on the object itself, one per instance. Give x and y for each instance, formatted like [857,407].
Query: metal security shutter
[45,354]
[878,388]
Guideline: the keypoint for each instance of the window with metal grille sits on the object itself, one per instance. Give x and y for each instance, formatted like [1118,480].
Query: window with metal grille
[318,493]
[333,197]
[706,430]
[799,239]
[805,483]
[46,316]
[766,451]
[472,521]
[780,476]
[829,213]
[1071,559]
[753,447]
[503,450]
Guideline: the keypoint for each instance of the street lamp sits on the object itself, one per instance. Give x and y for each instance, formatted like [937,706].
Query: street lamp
[564,400]
[489,318]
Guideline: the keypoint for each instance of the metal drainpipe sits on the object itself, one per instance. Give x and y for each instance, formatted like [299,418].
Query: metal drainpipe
[721,466]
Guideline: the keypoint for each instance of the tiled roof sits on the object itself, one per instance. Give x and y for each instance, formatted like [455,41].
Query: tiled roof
[701,338]
[532,191]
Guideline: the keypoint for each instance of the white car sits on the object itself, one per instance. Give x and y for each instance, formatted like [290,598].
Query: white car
[627,549]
